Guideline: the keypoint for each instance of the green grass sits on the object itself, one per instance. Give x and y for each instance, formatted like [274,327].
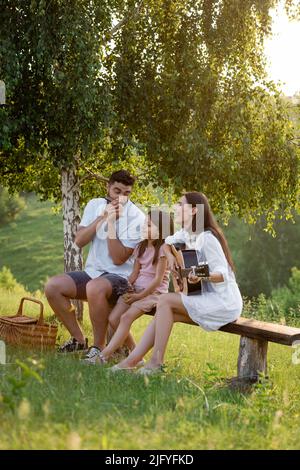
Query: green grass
[69,405]
[32,246]
[58,403]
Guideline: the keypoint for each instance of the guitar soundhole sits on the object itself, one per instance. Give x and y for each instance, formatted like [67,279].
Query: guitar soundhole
[190,258]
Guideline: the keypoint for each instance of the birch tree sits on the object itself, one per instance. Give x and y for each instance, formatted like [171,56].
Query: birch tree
[175,88]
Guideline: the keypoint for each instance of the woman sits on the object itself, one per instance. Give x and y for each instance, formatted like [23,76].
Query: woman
[220,302]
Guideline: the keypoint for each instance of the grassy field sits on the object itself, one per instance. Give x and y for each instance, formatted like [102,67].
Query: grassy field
[48,401]
[32,246]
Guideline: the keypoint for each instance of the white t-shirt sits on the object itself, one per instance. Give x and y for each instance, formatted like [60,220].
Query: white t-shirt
[128,228]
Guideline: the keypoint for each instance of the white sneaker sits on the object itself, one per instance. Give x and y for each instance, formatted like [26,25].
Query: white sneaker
[94,356]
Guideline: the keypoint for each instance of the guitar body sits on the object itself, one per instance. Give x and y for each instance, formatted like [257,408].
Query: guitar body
[187,259]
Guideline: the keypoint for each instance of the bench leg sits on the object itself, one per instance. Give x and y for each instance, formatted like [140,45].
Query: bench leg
[252,358]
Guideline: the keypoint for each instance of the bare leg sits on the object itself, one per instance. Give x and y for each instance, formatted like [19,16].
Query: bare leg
[122,331]
[169,309]
[129,341]
[98,292]
[153,336]
[145,344]
[114,320]
[59,290]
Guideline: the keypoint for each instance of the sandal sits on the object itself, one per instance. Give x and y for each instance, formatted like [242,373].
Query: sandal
[151,370]
[116,367]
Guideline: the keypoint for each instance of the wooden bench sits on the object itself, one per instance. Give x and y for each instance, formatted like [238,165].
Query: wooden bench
[255,336]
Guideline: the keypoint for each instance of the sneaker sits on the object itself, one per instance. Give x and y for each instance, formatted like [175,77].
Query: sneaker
[73,346]
[94,356]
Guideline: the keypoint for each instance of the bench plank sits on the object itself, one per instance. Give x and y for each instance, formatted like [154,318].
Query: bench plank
[255,335]
[257,329]
[263,330]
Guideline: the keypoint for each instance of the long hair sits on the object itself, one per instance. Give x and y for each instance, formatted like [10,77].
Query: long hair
[165,224]
[209,222]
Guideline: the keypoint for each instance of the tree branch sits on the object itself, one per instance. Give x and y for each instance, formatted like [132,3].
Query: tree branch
[125,20]
[95,175]
[90,176]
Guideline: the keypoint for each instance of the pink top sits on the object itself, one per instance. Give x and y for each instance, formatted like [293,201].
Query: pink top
[148,270]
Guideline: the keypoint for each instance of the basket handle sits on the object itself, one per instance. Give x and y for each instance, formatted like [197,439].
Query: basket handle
[20,310]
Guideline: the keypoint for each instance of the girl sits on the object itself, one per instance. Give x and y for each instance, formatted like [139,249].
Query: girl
[149,279]
[220,302]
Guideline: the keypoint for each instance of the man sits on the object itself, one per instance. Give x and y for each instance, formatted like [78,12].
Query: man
[112,225]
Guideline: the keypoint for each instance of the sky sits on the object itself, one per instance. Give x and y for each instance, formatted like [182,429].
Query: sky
[282,51]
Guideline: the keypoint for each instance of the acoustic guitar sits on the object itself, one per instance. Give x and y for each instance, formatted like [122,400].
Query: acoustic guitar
[187,261]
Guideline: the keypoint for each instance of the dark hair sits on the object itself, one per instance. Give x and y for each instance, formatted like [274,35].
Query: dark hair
[210,222]
[122,176]
[165,224]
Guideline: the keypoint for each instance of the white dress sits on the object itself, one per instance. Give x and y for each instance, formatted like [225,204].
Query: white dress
[220,302]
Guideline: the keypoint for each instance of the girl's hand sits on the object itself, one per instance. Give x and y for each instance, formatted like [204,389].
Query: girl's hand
[193,279]
[130,287]
[172,263]
[129,298]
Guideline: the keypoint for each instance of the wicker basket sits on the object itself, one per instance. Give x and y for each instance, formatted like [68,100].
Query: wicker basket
[22,330]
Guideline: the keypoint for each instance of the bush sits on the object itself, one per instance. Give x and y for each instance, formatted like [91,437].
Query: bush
[8,282]
[283,306]
[286,299]
[10,206]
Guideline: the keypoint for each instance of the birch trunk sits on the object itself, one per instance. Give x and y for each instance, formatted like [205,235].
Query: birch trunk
[71,218]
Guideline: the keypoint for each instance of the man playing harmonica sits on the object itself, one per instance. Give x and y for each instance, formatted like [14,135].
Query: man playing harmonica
[112,226]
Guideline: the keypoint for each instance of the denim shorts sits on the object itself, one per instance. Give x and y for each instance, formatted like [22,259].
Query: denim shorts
[81,278]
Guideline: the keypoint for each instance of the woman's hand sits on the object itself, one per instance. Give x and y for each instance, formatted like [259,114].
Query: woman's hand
[193,279]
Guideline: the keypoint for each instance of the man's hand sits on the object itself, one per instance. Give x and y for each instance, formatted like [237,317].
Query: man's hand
[115,208]
[112,212]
